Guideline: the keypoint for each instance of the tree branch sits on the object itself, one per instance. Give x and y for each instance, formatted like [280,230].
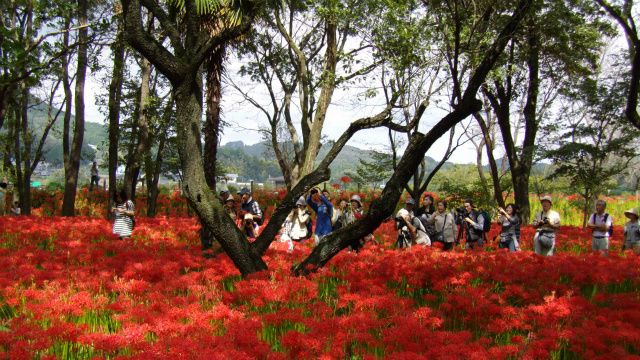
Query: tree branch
[147,45]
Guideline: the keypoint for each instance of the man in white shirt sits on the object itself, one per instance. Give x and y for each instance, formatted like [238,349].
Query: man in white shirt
[547,222]
[600,222]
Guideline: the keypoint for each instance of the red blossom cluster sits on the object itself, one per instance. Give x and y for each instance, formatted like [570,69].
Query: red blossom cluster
[69,288]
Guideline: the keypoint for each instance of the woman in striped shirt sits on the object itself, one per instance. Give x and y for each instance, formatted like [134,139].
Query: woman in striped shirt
[124,211]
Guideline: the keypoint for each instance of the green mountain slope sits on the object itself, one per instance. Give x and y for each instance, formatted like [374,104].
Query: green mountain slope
[95,134]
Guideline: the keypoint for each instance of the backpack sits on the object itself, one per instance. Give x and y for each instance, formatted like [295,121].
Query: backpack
[487,221]
[606,217]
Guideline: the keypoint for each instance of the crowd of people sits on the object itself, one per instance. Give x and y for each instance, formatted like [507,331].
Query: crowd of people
[417,224]
[428,222]
[431,223]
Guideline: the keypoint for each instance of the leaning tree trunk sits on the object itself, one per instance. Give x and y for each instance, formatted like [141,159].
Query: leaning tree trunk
[72,167]
[115,96]
[382,207]
[188,97]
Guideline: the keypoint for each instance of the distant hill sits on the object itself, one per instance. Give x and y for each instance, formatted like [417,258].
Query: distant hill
[249,161]
[95,134]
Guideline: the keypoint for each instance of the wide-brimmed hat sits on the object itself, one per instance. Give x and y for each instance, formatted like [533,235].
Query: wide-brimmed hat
[357,199]
[301,201]
[244,191]
[633,212]
[229,198]
[546,198]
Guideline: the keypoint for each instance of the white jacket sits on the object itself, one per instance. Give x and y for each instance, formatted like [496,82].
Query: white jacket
[297,223]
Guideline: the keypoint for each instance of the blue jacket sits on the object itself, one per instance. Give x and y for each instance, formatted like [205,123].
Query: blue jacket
[324,212]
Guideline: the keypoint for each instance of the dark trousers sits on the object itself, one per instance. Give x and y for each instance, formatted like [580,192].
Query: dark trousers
[94,180]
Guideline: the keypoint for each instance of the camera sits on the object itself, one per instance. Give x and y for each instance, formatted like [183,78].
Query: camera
[461,214]
[545,221]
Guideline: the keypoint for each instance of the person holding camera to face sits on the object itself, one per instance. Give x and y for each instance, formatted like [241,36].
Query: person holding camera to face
[510,234]
[124,215]
[410,228]
[297,225]
[547,223]
[249,226]
[474,223]
[324,212]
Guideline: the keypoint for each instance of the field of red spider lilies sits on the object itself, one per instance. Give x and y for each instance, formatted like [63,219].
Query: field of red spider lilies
[69,290]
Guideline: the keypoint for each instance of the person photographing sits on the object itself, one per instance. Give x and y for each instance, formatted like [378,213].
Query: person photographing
[547,223]
[474,222]
[510,222]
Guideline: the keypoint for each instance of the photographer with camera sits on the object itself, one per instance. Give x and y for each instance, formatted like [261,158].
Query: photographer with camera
[510,221]
[249,227]
[297,225]
[473,221]
[324,212]
[547,222]
[425,214]
[250,206]
[410,228]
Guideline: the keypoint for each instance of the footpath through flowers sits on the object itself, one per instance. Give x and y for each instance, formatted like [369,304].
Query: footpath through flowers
[70,290]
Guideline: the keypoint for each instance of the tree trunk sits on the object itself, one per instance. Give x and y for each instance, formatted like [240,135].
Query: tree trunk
[479,167]
[141,140]
[215,67]
[312,143]
[115,97]
[25,183]
[153,180]
[155,167]
[521,172]
[493,167]
[188,97]
[72,167]
[17,147]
